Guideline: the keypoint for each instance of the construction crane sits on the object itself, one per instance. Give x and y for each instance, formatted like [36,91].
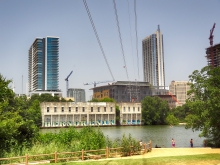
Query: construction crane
[173,97]
[211,43]
[96,82]
[67,83]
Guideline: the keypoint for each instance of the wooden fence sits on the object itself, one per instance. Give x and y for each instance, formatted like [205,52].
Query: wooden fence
[72,156]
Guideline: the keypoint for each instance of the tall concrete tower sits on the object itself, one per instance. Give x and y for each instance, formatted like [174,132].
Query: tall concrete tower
[153,59]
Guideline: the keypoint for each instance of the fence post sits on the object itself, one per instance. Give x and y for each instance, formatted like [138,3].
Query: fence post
[145,147]
[55,157]
[106,152]
[82,154]
[26,159]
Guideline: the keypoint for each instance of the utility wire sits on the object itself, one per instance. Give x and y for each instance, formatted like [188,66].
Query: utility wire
[131,37]
[97,37]
[116,15]
[136,36]
[131,87]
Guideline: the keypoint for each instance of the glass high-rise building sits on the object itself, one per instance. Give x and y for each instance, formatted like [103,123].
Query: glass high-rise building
[153,59]
[43,68]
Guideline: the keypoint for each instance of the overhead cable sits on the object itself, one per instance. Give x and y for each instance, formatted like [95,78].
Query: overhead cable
[136,37]
[116,15]
[131,37]
[97,37]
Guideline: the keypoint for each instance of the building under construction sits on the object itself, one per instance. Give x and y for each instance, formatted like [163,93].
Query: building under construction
[123,91]
[213,55]
[131,91]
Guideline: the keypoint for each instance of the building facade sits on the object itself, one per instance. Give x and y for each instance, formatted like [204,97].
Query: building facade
[213,55]
[78,94]
[123,91]
[153,59]
[58,114]
[43,65]
[179,89]
[130,113]
[128,91]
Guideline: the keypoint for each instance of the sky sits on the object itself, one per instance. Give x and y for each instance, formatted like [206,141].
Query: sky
[185,25]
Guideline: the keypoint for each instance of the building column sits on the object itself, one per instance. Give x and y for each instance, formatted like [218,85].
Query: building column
[59,119]
[51,121]
[136,118]
[95,119]
[108,119]
[43,122]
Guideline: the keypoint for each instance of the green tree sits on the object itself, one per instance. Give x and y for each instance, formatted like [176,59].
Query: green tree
[171,119]
[117,115]
[46,98]
[15,130]
[204,103]
[154,110]
[106,99]
[180,112]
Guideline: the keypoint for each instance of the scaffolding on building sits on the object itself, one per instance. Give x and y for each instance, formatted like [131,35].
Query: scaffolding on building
[213,55]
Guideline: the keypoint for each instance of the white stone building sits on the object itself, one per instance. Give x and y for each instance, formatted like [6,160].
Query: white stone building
[57,114]
[130,113]
[60,114]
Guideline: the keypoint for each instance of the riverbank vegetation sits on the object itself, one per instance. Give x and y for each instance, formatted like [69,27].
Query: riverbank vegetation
[74,140]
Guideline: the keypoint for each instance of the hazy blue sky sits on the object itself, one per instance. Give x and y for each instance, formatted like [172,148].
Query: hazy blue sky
[185,25]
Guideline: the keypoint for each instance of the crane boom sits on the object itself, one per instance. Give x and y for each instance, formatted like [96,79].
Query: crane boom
[67,83]
[173,97]
[66,79]
[211,35]
[96,82]
[211,53]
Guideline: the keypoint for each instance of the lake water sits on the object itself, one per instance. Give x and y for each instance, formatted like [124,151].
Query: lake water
[160,135]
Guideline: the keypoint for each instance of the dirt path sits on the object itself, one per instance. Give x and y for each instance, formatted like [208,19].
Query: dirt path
[160,152]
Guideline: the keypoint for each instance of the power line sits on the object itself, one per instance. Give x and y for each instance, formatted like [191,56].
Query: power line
[136,36]
[131,37]
[119,33]
[116,15]
[97,37]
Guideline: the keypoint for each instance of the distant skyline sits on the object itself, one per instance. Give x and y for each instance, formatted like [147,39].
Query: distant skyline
[185,25]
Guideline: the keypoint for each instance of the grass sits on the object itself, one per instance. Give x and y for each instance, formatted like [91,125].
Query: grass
[203,159]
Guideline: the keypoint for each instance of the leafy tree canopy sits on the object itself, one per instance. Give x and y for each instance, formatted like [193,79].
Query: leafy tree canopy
[204,103]
[180,112]
[154,110]
[172,120]
[106,99]
[16,127]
